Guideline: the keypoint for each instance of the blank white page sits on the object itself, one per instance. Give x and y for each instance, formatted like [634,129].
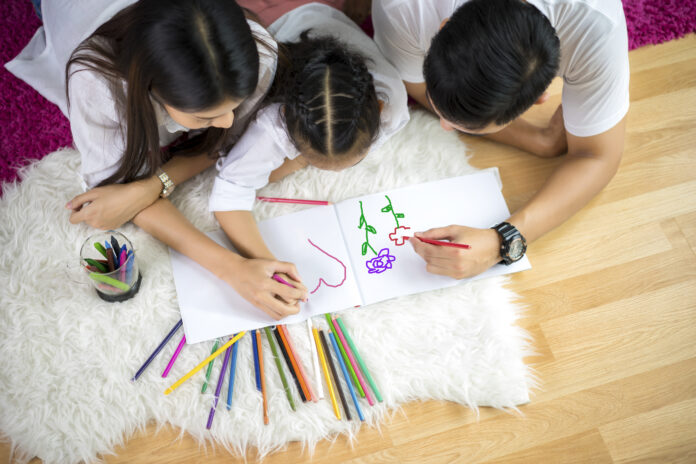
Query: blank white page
[474,200]
[311,239]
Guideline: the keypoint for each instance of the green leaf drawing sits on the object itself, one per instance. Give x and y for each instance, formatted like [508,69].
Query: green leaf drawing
[386,209]
[362,222]
[364,248]
[399,215]
[371,230]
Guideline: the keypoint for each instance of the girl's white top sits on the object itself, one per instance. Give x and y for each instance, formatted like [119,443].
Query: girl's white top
[266,144]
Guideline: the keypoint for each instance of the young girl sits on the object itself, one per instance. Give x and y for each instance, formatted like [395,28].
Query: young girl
[329,106]
[157,70]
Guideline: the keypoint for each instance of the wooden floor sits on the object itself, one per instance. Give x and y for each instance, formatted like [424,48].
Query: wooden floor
[612,309]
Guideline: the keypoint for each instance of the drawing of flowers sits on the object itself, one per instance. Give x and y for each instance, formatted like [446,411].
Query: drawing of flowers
[399,236]
[381,262]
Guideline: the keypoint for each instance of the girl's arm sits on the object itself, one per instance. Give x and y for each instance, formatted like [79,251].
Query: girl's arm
[113,205]
[251,278]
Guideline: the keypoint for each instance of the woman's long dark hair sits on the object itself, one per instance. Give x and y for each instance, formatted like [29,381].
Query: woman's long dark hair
[327,95]
[189,54]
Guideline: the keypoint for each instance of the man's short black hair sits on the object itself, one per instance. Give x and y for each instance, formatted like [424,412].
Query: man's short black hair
[490,62]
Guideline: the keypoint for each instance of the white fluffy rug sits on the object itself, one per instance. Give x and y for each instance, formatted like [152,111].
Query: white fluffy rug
[66,357]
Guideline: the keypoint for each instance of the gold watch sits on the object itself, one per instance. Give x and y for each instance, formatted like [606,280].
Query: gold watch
[167,184]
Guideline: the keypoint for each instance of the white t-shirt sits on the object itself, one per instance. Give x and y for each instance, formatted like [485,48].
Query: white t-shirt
[95,121]
[266,144]
[594,52]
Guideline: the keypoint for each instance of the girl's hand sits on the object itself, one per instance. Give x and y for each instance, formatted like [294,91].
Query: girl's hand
[253,279]
[111,206]
[458,263]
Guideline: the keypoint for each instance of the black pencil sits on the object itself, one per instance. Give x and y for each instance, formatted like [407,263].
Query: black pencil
[289,363]
[337,381]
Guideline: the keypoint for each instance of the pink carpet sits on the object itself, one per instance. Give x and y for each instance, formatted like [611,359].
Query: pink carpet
[31,127]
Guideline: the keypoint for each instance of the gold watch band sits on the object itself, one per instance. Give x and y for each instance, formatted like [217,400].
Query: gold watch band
[167,184]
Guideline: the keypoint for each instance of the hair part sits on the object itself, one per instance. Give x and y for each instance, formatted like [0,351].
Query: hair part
[327,95]
[490,62]
[189,54]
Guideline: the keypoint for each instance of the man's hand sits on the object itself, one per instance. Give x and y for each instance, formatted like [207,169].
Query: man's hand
[458,263]
[111,206]
[253,279]
[554,136]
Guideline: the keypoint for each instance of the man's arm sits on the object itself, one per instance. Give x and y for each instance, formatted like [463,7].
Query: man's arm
[588,167]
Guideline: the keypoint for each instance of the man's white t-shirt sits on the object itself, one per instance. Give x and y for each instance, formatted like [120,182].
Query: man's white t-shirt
[266,144]
[594,52]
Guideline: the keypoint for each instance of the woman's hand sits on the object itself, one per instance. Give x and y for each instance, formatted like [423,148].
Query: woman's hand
[458,263]
[111,206]
[253,279]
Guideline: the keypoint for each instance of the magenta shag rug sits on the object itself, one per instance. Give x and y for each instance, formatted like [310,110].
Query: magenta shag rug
[31,127]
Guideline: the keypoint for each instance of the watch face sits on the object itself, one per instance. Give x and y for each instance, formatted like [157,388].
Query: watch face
[516,249]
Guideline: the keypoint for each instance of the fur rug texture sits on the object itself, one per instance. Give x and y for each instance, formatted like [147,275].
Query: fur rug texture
[66,357]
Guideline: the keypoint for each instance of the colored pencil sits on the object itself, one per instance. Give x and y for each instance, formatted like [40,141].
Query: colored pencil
[359,358]
[100,248]
[210,368]
[303,373]
[129,265]
[345,357]
[259,347]
[353,363]
[202,364]
[218,387]
[284,350]
[115,245]
[327,376]
[233,365]
[346,376]
[337,382]
[174,356]
[443,243]
[109,280]
[255,355]
[111,259]
[294,200]
[293,361]
[284,380]
[157,350]
[122,262]
[96,264]
[315,359]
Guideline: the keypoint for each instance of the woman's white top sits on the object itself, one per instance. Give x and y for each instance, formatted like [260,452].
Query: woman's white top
[95,121]
[266,144]
[594,52]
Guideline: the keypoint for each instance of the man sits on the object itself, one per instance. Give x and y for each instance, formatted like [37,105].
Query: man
[479,64]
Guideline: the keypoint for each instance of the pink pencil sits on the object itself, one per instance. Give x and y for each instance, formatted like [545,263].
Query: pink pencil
[294,200]
[351,358]
[176,353]
[122,262]
[443,243]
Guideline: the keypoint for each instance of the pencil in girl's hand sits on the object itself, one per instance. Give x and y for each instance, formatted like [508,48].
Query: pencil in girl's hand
[294,200]
[443,243]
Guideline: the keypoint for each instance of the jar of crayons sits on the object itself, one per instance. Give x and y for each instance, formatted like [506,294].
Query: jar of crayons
[108,259]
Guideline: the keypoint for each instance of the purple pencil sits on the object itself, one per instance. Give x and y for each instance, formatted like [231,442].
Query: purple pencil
[221,380]
[176,353]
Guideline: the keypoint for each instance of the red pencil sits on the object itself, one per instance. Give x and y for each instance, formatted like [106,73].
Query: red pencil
[293,200]
[444,243]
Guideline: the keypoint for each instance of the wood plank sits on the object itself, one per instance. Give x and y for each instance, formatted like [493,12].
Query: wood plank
[577,449]
[667,434]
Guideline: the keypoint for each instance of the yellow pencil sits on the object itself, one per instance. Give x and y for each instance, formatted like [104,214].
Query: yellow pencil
[325,368]
[204,363]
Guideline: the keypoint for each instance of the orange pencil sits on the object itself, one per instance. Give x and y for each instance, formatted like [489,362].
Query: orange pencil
[303,373]
[291,355]
[263,380]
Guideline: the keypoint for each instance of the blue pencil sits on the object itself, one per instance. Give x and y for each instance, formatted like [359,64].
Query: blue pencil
[157,350]
[345,375]
[256,360]
[233,365]
[129,266]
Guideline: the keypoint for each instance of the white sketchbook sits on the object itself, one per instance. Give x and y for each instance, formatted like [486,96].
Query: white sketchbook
[348,254]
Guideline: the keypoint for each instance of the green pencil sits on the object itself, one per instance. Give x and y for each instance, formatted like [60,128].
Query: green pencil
[345,357]
[109,280]
[210,369]
[360,361]
[100,248]
[97,264]
[288,393]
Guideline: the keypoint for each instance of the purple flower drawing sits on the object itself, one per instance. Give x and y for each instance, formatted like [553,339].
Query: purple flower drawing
[381,262]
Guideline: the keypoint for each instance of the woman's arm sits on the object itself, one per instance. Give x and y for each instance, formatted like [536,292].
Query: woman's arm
[111,206]
[251,278]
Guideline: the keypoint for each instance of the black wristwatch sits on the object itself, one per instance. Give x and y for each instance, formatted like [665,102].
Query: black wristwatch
[512,243]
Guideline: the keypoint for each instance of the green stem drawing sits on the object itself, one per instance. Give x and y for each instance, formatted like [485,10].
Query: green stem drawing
[368,230]
[390,209]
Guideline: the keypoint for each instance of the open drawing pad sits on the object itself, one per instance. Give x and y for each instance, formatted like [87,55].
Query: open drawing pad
[348,254]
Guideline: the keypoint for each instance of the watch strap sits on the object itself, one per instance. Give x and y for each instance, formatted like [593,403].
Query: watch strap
[167,184]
